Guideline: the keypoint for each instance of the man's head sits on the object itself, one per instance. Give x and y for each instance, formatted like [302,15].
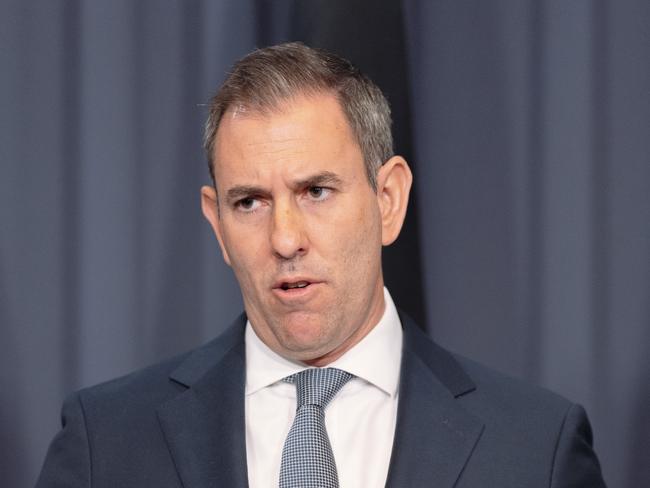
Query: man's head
[266,78]
[296,214]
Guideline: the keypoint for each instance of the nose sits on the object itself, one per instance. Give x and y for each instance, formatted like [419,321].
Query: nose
[288,238]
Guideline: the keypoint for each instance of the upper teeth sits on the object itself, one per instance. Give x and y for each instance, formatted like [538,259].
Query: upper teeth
[301,284]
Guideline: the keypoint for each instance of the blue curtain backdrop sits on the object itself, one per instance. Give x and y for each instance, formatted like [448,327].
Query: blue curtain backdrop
[527,124]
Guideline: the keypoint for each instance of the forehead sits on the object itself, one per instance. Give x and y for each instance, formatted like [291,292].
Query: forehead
[303,130]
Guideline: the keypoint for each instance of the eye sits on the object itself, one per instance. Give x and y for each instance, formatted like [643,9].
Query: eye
[318,192]
[248,204]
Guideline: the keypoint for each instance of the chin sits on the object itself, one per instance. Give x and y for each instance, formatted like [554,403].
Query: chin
[304,344]
[304,341]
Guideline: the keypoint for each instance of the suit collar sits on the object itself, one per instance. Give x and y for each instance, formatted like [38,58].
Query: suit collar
[434,435]
[440,362]
[204,426]
[207,357]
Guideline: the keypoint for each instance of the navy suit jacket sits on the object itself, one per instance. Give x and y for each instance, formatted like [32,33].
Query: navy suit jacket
[181,423]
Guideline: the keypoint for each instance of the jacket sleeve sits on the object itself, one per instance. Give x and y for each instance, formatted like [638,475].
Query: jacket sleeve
[67,463]
[575,464]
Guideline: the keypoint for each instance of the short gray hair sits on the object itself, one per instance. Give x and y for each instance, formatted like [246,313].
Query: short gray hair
[263,79]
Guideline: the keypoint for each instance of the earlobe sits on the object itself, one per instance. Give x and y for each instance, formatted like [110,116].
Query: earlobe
[394,181]
[210,208]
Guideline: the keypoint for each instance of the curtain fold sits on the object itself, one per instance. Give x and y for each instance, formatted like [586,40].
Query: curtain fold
[528,242]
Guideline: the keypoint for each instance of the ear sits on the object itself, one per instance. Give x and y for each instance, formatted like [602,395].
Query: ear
[394,180]
[210,207]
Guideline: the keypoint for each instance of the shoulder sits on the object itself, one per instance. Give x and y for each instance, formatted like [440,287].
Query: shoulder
[479,387]
[527,434]
[151,386]
[532,425]
[111,432]
[498,394]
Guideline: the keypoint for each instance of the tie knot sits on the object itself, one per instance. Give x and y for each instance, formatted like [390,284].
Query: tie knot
[318,386]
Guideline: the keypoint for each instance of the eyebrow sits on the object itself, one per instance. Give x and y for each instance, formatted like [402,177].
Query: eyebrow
[324,178]
[243,191]
[319,179]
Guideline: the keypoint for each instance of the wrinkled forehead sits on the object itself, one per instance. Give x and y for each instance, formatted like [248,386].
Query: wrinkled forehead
[303,132]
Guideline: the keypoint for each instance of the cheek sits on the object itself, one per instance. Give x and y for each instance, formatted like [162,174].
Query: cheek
[246,252]
[356,242]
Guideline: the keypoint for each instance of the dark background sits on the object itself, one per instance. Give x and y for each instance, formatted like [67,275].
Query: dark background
[527,247]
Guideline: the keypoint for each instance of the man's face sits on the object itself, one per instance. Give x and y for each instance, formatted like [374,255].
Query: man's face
[300,226]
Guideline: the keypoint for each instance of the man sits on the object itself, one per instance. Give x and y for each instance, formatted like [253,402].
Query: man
[322,382]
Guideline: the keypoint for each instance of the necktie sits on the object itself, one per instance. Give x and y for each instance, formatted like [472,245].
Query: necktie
[307,459]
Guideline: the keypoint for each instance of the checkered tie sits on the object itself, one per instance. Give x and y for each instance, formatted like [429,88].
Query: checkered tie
[307,458]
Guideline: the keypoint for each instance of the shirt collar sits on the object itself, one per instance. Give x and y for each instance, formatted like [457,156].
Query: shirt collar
[375,359]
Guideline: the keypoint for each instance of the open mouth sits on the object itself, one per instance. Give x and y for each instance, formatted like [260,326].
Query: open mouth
[294,285]
[296,290]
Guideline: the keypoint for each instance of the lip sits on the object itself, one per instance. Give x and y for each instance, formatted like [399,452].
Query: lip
[295,294]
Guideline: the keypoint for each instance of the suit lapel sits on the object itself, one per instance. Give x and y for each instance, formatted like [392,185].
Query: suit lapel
[434,435]
[204,426]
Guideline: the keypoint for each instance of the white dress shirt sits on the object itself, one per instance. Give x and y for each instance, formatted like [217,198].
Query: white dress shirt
[360,420]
